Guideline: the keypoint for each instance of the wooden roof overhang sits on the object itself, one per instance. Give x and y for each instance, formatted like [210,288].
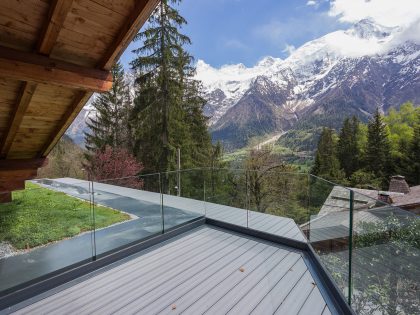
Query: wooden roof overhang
[54,54]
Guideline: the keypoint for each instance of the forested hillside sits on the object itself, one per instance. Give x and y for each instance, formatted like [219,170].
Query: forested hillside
[363,155]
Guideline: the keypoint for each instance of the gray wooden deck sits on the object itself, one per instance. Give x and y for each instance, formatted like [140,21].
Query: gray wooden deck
[206,270]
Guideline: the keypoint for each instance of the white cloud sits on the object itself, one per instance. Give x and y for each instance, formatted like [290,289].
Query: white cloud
[295,29]
[235,44]
[311,3]
[289,49]
[386,12]
[410,33]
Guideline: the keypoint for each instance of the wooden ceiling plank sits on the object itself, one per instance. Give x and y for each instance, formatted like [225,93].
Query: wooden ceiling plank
[71,113]
[41,69]
[138,17]
[23,100]
[56,17]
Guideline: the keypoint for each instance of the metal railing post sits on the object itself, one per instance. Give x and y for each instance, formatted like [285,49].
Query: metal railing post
[94,221]
[247,198]
[162,214]
[204,196]
[350,284]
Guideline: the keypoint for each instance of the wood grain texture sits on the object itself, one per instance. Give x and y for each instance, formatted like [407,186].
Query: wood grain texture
[71,113]
[53,55]
[138,17]
[56,17]
[25,96]
[40,69]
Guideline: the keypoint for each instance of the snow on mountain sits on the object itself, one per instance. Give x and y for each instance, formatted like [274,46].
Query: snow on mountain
[345,72]
[301,71]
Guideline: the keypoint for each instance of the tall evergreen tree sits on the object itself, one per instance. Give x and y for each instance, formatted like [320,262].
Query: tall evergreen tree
[110,126]
[168,108]
[348,151]
[378,149]
[413,156]
[326,163]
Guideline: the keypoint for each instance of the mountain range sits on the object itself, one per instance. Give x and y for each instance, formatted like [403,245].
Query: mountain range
[346,72]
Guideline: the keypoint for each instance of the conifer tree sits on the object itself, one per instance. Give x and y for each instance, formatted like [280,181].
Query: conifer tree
[348,151]
[378,150]
[326,163]
[413,156]
[168,108]
[110,125]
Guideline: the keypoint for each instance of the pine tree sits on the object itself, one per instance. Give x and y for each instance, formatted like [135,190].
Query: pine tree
[378,150]
[110,125]
[348,151]
[326,163]
[413,156]
[168,108]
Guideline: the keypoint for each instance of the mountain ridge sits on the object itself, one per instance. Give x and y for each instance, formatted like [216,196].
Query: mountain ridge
[322,77]
[345,72]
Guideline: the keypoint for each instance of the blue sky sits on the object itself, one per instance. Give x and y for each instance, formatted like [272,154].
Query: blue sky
[244,31]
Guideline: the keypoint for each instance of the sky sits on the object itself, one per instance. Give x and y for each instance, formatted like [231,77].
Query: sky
[245,31]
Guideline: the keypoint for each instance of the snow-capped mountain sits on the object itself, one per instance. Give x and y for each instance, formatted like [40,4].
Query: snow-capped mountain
[346,72]
[342,73]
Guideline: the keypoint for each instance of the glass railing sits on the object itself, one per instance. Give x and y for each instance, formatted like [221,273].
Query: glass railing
[44,230]
[385,269]
[138,199]
[182,197]
[369,248]
[328,228]
[226,196]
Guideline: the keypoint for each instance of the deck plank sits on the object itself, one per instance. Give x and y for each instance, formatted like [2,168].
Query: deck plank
[279,276]
[297,296]
[200,272]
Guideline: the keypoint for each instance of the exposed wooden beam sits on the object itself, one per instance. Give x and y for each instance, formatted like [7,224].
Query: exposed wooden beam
[14,173]
[32,67]
[56,17]
[22,103]
[5,197]
[7,175]
[137,18]
[71,113]
[22,164]
[12,185]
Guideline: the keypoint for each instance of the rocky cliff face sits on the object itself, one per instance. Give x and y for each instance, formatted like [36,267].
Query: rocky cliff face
[346,72]
[343,73]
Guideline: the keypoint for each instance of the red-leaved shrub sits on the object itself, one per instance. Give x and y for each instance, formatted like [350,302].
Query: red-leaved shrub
[116,166]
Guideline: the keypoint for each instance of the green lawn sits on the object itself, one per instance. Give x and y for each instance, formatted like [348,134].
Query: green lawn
[39,216]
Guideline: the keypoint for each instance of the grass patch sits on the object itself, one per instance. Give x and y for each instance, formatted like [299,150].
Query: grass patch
[38,216]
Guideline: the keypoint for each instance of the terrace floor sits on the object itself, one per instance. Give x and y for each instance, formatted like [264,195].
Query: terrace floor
[205,270]
[145,206]
[177,209]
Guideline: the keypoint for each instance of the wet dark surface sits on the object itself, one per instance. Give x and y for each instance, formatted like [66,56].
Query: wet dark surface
[38,262]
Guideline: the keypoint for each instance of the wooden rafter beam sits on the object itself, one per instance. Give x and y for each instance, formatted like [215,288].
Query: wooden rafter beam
[56,17]
[14,173]
[23,100]
[138,17]
[21,164]
[68,117]
[31,67]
